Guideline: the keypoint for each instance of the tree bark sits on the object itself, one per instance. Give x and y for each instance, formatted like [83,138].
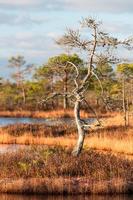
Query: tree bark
[124,103]
[65,103]
[81,132]
[127,111]
[24,95]
[52,89]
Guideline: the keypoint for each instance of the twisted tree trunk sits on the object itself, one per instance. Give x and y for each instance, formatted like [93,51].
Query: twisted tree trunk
[81,132]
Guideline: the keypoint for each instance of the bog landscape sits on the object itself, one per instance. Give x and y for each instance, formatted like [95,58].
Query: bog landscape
[66,125]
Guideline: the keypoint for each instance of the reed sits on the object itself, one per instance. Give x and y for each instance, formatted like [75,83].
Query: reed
[41,114]
[115,138]
[103,143]
[52,114]
[67,186]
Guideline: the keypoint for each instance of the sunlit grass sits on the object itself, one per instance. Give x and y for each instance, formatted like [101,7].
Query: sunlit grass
[41,114]
[112,136]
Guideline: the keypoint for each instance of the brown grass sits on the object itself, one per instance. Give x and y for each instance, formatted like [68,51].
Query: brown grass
[42,130]
[111,137]
[40,161]
[55,170]
[41,114]
[103,143]
[51,114]
[65,186]
[106,169]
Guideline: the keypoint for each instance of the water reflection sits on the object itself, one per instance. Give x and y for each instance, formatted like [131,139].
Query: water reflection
[43,197]
[4,121]
[14,120]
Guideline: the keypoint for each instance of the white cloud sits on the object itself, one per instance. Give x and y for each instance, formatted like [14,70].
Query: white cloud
[54,35]
[87,5]
[19,2]
[21,19]
[50,4]
[31,45]
[118,28]
[102,5]
[29,20]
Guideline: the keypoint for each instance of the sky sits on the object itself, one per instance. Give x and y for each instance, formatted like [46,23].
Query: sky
[30,27]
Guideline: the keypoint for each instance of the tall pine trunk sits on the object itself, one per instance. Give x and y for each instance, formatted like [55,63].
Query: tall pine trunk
[65,100]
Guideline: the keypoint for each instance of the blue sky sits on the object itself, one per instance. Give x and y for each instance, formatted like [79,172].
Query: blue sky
[29,27]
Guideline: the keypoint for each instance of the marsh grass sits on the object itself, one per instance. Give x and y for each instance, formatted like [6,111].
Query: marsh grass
[66,186]
[62,113]
[39,130]
[42,114]
[39,161]
[111,137]
[43,170]
[47,166]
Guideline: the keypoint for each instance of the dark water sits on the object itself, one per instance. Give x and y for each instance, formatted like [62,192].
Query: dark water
[14,120]
[23,197]
[4,121]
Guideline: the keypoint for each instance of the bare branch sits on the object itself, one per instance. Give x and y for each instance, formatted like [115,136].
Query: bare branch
[50,97]
[93,111]
[102,93]
[100,83]
[73,39]
[90,65]
[77,73]
[55,95]
[89,22]
[128,43]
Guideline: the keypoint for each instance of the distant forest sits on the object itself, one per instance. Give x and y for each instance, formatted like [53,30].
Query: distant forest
[56,75]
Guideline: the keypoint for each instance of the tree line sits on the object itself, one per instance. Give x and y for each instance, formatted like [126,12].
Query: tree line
[24,92]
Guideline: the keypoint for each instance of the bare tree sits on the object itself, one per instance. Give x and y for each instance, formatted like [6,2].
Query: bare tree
[95,44]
